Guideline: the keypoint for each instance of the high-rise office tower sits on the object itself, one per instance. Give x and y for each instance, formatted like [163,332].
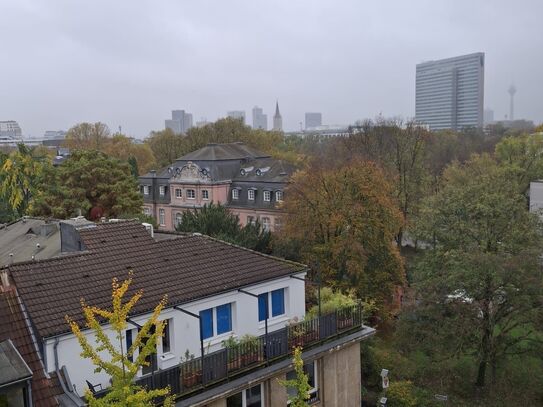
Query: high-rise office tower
[260,120]
[277,119]
[236,114]
[180,122]
[313,120]
[450,92]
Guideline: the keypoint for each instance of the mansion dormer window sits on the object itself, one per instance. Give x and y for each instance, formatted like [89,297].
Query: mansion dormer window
[279,196]
[267,196]
[162,190]
[146,190]
[191,194]
[251,194]
[235,194]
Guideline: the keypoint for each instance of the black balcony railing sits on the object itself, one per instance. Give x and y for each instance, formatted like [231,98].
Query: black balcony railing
[240,358]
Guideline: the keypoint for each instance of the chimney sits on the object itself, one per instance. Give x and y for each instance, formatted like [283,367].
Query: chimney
[153,173]
[149,228]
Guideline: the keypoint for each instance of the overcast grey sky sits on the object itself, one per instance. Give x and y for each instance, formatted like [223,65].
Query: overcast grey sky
[130,62]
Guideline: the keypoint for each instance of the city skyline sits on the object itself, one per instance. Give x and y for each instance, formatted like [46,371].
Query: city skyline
[132,77]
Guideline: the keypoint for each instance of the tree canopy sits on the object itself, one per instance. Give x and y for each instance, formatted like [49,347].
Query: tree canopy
[217,221]
[92,182]
[20,179]
[480,282]
[345,219]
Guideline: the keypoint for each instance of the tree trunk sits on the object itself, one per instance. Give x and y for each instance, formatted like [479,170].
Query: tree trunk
[481,373]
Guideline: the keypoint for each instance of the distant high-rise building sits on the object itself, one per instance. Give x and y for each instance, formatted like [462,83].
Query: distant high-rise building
[10,129]
[260,120]
[277,119]
[313,120]
[236,114]
[488,116]
[512,90]
[450,92]
[180,122]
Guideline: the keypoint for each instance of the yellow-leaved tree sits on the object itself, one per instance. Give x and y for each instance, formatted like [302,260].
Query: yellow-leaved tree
[121,365]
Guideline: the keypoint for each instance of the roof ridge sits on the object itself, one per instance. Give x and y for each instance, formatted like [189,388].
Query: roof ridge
[269,256]
[65,255]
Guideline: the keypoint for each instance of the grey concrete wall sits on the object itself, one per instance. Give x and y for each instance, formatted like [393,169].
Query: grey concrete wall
[340,378]
[276,393]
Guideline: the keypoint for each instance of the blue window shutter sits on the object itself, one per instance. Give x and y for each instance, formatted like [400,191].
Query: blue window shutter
[224,318]
[206,319]
[262,306]
[278,302]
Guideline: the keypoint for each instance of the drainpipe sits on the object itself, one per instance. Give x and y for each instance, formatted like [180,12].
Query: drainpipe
[69,393]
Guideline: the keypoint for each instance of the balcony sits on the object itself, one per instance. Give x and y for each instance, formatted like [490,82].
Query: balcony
[230,362]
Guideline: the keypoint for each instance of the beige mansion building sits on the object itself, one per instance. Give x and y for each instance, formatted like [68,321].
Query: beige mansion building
[250,183]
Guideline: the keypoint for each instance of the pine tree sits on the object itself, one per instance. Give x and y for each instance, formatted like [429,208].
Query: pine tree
[121,365]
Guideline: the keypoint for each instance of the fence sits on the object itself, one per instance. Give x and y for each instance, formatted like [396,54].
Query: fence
[233,360]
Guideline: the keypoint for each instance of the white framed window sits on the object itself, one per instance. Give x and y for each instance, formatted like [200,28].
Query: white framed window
[178,193]
[267,196]
[251,194]
[251,397]
[279,196]
[235,194]
[310,369]
[178,218]
[191,194]
[162,217]
[167,339]
[266,223]
[205,194]
[146,190]
[162,190]
[146,211]
[216,321]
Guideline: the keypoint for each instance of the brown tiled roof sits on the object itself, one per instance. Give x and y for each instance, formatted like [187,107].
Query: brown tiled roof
[186,268]
[14,326]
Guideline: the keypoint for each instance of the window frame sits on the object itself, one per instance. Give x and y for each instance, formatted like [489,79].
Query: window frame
[266,223]
[146,190]
[178,193]
[190,192]
[147,211]
[162,217]
[162,190]
[205,194]
[267,196]
[235,194]
[251,194]
[279,196]
[167,333]
[244,395]
[282,303]
[213,313]
[178,219]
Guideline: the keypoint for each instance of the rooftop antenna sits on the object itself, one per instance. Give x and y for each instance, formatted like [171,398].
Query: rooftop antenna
[512,90]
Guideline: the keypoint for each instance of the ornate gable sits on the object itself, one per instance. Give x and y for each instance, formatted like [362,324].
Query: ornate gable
[191,172]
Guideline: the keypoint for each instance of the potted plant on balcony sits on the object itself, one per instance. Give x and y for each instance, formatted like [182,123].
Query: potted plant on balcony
[249,344]
[189,374]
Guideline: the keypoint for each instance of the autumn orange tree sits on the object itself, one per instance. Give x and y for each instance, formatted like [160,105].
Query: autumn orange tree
[345,219]
[122,365]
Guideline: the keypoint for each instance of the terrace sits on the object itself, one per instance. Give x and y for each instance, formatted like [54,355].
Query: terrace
[234,360]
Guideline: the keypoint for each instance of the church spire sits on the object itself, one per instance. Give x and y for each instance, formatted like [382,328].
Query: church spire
[277,120]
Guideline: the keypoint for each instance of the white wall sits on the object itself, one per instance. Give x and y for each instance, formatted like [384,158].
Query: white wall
[536,197]
[185,329]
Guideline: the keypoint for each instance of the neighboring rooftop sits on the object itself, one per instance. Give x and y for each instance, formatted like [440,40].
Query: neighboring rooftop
[218,152]
[186,268]
[20,239]
[13,368]
[14,328]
